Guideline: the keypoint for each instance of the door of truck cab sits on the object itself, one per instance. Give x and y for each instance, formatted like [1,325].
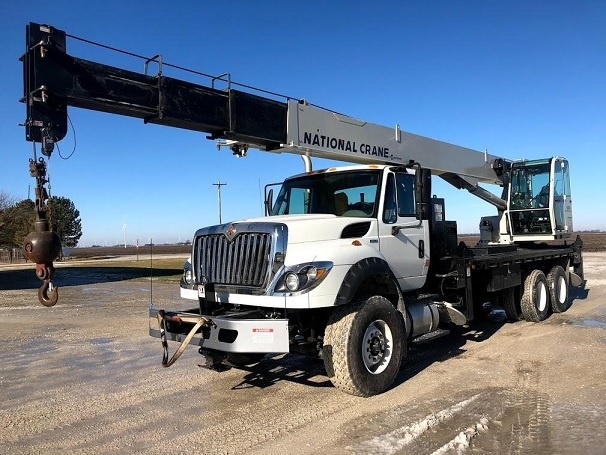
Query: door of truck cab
[403,239]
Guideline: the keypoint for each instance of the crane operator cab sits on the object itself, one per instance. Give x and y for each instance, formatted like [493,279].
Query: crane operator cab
[539,202]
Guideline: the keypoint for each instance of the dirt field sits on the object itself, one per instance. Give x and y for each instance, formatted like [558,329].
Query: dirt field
[84,377]
[593,241]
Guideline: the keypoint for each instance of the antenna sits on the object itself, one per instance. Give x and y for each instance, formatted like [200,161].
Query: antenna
[151,271]
[261,200]
[219,185]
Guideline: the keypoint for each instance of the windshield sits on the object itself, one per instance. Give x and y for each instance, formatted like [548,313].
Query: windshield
[347,193]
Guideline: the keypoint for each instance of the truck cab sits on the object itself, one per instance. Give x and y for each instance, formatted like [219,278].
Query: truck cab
[374,203]
[338,216]
[330,238]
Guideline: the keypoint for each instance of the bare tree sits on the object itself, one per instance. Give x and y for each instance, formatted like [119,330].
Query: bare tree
[7,201]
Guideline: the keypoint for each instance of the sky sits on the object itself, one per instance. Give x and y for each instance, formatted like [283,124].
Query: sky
[522,79]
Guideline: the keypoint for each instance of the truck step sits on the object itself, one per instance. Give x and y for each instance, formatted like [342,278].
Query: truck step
[439,333]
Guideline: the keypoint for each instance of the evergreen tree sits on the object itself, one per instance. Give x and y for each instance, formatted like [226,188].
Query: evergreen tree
[17,220]
[65,220]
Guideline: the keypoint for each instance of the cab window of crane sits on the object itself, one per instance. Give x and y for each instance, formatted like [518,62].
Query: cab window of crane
[561,179]
[349,193]
[399,197]
[530,186]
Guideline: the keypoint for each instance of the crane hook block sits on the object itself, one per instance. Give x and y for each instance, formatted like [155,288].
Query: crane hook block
[42,247]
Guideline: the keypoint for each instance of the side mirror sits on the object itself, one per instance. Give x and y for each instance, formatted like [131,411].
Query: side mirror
[423,193]
[269,202]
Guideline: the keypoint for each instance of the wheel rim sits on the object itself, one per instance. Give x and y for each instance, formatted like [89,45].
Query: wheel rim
[541,297]
[562,291]
[377,347]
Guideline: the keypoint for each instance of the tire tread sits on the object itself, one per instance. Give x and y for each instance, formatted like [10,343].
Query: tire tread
[510,304]
[552,280]
[528,302]
[340,349]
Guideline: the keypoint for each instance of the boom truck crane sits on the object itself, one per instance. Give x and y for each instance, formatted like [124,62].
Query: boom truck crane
[350,264]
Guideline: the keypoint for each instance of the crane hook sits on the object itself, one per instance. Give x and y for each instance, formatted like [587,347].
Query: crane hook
[43,296]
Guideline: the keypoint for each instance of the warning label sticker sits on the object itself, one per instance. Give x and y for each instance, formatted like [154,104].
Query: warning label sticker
[263,335]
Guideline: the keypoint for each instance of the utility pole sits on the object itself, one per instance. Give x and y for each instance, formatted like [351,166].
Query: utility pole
[219,185]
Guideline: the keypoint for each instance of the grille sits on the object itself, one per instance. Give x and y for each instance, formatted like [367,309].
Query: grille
[245,261]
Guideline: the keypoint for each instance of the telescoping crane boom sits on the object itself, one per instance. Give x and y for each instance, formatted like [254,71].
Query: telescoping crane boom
[54,80]
[364,250]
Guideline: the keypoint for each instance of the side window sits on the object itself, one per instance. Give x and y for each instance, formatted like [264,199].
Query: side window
[566,178]
[405,184]
[390,214]
[558,179]
[561,178]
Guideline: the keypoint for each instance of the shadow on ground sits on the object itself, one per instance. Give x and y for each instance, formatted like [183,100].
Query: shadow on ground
[310,372]
[290,367]
[422,355]
[75,276]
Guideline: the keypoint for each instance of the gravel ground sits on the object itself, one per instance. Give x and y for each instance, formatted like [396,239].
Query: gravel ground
[85,377]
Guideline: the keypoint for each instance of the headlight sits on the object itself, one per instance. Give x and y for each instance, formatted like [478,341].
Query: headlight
[187,276]
[292,281]
[303,277]
[312,273]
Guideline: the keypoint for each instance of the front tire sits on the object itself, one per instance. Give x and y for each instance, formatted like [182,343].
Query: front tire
[363,346]
[535,299]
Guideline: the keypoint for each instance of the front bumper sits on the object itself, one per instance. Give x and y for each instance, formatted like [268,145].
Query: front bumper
[227,333]
[188,292]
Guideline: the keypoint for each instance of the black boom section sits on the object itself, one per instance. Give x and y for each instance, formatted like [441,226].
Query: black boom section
[54,80]
[44,115]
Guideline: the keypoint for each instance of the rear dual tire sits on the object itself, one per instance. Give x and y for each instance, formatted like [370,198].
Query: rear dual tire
[535,297]
[544,292]
[510,302]
[557,282]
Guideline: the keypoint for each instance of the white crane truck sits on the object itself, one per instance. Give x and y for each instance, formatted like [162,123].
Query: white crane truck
[350,264]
